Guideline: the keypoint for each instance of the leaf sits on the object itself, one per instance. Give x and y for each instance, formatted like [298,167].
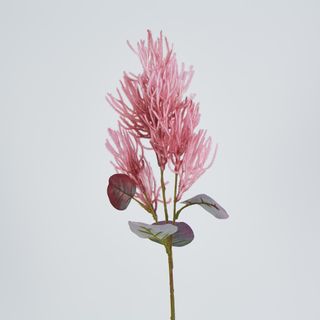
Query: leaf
[209,205]
[182,237]
[121,190]
[153,232]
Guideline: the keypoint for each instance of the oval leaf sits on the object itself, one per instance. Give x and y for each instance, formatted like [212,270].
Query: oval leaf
[153,232]
[209,205]
[121,190]
[182,237]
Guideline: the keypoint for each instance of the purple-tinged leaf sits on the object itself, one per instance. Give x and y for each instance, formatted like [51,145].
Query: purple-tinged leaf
[153,232]
[182,237]
[209,205]
[121,190]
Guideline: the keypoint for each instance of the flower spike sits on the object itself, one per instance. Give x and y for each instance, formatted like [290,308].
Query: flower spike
[129,159]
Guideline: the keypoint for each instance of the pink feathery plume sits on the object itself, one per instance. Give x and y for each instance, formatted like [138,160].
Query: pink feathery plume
[129,159]
[182,130]
[154,96]
[194,162]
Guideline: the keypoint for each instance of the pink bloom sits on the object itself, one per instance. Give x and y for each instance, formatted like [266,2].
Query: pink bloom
[194,162]
[152,106]
[182,128]
[153,96]
[129,159]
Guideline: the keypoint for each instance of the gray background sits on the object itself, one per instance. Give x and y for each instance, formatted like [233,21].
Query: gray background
[67,254]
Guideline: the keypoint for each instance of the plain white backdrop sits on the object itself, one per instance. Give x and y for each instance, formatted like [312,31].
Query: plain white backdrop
[65,253]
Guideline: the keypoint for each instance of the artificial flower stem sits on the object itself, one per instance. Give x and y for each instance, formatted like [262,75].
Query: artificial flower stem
[192,204]
[175,197]
[185,206]
[150,210]
[163,187]
[170,264]
[139,202]
[170,253]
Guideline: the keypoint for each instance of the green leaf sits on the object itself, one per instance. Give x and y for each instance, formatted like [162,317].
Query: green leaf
[151,231]
[208,204]
[182,237]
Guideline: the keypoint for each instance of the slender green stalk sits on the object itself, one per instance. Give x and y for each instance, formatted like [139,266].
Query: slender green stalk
[192,204]
[136,200]
[185,206]
[149,208]
[163,187]
[175,197]
[154,215]
[169,250]
[170,264]
[179,211]
[168,245]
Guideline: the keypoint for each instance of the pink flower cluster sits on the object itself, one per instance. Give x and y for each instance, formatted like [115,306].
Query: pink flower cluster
[128,153]
[153,107]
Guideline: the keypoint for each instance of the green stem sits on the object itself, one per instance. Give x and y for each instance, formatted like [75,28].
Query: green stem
[163,187]
[175,197]
[185,206]
[141,204]
[192,204]
[170,264]
[149,209]
[169,250]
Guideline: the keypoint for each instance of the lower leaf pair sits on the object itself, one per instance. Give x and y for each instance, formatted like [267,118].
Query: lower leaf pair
[121,190]
[160,232]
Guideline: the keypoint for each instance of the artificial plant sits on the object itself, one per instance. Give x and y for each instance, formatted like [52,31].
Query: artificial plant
[156,114]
